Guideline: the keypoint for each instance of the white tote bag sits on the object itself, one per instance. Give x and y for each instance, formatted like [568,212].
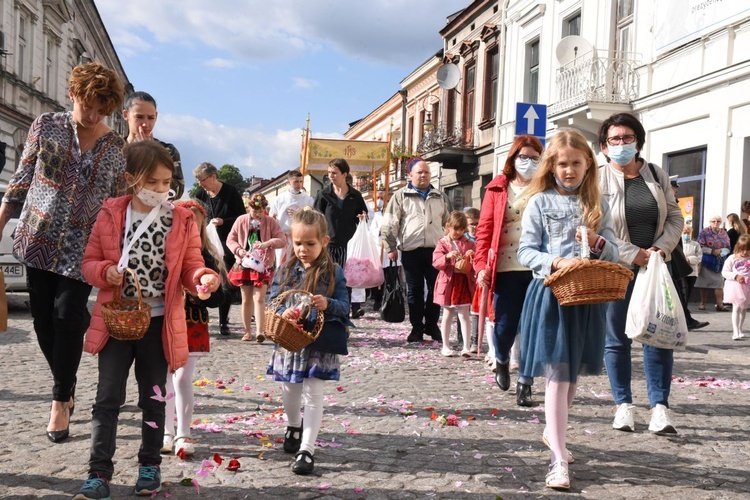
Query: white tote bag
[363,267]
[655,315]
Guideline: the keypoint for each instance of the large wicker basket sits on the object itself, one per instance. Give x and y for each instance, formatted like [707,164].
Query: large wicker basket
[286,333]
[589,281]
[127,319]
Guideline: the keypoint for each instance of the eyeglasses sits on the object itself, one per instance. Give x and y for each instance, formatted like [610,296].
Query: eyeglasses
[203,179]
[526,157]
[474,224]
[616,140]
[715,222]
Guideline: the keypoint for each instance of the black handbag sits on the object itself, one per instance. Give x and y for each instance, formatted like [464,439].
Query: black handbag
[393,309]
[680,266]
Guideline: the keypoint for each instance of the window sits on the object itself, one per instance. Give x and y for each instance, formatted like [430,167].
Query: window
[532,71]
[623,42]
[690,166]
[410,134]
[450,111]
[49,69]
[492,67]
[23,37]
[435,115]
[422,117]
[572,25]
[470,73]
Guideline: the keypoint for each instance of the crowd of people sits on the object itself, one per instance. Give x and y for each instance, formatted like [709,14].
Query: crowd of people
[98,211]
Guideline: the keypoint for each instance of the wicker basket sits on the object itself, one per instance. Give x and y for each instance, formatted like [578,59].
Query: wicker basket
[127,319]
[285,332]
[464,265]
[589,281]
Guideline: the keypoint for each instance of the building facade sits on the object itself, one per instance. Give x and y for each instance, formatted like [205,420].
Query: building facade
[40,43]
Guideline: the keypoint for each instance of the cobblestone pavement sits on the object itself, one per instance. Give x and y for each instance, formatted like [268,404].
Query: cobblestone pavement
[379,439]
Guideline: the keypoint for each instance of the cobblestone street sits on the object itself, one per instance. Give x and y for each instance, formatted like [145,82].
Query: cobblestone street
[380,437]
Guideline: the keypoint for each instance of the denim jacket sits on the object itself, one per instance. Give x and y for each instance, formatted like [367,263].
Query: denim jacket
[333,336]
[549,226]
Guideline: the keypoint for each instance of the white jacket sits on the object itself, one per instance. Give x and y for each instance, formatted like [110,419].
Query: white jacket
[670,224]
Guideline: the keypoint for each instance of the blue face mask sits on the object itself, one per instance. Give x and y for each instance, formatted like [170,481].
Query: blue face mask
[685,238]
[622,154]
[566,188]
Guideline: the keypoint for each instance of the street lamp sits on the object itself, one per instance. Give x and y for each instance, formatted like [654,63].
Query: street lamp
[428,126]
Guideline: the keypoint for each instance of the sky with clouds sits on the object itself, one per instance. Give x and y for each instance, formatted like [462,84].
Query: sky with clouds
[235,80]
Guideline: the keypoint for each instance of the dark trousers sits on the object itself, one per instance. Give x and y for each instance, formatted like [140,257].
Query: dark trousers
[338,255]
[58,306]
[150,370]
[510,292]
[419,271]
[226,304]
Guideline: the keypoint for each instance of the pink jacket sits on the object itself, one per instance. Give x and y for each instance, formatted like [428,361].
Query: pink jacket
[270,232]
[444,281]
[184,265]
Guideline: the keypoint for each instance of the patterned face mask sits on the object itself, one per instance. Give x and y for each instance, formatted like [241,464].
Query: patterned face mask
[153,198]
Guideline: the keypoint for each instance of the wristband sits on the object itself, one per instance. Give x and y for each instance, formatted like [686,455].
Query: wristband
[599,245]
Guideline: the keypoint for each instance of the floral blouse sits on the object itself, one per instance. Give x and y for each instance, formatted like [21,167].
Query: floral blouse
[61,190]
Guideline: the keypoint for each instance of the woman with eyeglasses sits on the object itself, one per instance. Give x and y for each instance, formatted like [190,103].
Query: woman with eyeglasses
[646,219]
[715,247]
[495,259]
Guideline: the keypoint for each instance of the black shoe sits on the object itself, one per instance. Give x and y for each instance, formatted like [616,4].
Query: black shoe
[292,443]
[695,325]
[358,313]
[224,330]
[416,334]
[303,463]
[434,332]
[61,435]
[523,394]
[502,375]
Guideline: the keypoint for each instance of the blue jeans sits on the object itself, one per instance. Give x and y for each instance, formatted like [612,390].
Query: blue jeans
[510,292]
[657,363]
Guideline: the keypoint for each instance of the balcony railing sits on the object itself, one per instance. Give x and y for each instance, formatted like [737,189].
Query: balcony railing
[599,76]
[457,136]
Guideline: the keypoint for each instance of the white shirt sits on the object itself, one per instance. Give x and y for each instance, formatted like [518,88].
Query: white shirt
[282,203]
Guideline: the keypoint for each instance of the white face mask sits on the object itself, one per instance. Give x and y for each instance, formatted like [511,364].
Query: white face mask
[526,168]
[153,198]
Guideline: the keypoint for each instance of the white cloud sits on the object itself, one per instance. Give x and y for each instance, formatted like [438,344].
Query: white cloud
[386,31]
[304,83]
[200,140]
[221,63]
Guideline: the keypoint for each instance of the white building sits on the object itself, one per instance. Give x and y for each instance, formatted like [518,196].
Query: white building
[40,43]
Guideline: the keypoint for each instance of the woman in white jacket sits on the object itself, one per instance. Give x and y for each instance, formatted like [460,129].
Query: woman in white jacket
[646,219]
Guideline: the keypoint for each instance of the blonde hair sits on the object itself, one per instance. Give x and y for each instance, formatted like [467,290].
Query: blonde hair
[735,221]
[589,195]
[322,272]
[199,212]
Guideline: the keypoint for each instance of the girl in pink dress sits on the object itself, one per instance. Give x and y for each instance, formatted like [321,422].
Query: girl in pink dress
[736,272]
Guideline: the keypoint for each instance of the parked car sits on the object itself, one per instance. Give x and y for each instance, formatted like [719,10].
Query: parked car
[15,272]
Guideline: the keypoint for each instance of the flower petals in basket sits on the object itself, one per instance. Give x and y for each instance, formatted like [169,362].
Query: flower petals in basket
[289,334]
[126,319]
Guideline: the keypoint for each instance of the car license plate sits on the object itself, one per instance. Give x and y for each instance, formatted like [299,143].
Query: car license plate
[15,270]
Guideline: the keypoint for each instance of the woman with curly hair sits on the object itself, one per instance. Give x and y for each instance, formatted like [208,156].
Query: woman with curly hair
[252,241]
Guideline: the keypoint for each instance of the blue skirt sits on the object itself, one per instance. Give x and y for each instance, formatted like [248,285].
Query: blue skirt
[560,342]
[294,367]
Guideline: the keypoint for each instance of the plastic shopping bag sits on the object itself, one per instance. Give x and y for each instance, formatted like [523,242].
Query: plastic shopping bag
[655,315]
[213,237]
[363,267]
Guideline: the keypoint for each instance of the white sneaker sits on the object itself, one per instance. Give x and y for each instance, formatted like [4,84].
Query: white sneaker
[166,447]
[447,352]
[182,443]
[736,336]
[624,419]
[661,422]
[466,353]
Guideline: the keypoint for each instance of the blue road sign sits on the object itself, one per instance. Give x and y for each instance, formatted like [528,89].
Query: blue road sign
[531,119]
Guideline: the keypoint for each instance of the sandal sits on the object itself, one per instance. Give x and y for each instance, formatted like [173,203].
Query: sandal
[721,309]
[567,451]
[557,477]
[247,337]
[702,307]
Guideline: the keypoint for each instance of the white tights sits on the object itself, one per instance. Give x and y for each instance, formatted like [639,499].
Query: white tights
[254,304]
[558,397]
[738,318]
[311,390]
[181,384]
[464,316]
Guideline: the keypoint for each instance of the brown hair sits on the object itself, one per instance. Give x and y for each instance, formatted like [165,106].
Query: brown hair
[340,164]
[142,158]
[471,213]
[589,195]
[199,211]
[457,220]
[742,245]
[322,271]
[522,141]
[91,82]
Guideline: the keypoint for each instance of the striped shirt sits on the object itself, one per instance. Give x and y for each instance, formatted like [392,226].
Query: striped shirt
[641,212]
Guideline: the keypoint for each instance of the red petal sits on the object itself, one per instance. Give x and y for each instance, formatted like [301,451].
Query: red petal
[234,465]
[218,459]
[181,454]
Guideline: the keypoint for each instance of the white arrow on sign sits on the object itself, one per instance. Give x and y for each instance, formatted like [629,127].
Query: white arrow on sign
[531,117]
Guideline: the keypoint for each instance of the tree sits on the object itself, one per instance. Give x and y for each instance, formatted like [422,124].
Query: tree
[227,173]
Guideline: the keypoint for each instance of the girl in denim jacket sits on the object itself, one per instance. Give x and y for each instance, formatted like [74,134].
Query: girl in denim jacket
[562,342]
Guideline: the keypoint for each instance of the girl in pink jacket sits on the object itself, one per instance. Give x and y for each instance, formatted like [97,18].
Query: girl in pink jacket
[453,289]
[253,240]
[160,243]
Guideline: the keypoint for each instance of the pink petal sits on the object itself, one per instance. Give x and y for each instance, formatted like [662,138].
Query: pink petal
[324,486]
[197,486]
[358,489]
[151,424]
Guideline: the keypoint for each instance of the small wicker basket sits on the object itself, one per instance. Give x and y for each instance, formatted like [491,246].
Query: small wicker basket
[589,281]
[127,319]
[286,333]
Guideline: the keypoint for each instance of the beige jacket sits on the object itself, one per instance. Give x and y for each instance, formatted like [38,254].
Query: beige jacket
[411,221]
